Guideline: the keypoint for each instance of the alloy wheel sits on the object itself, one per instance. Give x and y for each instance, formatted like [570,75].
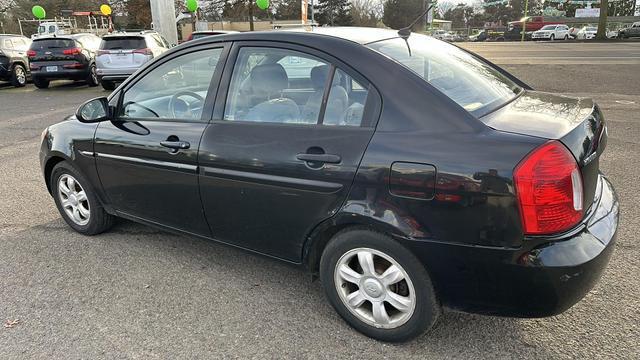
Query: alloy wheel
[73,200]
[375,288]
[20,75]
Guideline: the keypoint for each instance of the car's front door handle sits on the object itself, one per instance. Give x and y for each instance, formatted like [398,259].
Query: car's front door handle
[320,158]
[176,145]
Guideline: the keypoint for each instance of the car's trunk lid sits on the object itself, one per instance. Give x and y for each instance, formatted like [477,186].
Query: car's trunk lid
[576,122]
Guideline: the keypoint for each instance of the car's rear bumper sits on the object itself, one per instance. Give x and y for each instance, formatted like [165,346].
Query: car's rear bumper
[537,280]
[116,74]
[74,74]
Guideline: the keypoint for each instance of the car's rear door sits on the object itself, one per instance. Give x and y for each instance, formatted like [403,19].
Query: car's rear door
[283,147]
[147,157]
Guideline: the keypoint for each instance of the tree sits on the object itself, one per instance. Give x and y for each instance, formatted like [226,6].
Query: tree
[366,12]
[400,13]
[602,21]
[334,12]
[287,9]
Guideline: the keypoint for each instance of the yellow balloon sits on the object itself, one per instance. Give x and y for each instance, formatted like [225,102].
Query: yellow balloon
[105,9]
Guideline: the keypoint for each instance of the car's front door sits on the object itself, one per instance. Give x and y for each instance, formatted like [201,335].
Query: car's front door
[286,139]
[147,156]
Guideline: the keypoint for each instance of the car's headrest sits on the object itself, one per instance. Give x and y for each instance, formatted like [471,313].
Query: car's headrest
[269,78]
[319,76]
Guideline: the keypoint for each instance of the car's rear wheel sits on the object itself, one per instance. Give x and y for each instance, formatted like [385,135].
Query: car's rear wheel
[108,85]
[40,83]
[92,79]
[19,76]
[378,286]
[77,202]
[552,37]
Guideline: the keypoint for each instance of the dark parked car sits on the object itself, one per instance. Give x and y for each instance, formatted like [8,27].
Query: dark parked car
[14,64]
[69,57]
[422,178]
[631,31]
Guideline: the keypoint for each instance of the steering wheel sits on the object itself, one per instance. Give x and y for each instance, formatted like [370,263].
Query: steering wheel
[175,100]
[124,106]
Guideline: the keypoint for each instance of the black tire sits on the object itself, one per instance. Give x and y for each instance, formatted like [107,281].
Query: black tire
[92,78]
[108,85]
[566,37]
[552,37]
[40,83]
[18,76]
[99,220]
[427,308]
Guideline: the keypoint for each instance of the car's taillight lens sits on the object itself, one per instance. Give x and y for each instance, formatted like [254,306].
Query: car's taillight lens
[548,186]
[145,51]
[31,53]
[73,51]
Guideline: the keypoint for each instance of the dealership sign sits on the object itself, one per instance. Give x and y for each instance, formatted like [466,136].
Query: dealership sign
[588,12]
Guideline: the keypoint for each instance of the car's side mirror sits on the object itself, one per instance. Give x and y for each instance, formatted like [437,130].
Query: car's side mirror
[94,110]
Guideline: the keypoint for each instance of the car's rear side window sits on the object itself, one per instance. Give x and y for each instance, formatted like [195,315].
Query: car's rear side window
[473,84]
[52,44]
[123,43]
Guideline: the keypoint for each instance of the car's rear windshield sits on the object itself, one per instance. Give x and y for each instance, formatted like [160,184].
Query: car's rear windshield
[45,44]
[473,84]
[123,43]
[201,35]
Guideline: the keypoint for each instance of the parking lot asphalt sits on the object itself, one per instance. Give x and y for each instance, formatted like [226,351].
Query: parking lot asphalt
[137,292]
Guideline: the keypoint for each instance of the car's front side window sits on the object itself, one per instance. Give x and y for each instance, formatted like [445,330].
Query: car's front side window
[174,90]
[272,85]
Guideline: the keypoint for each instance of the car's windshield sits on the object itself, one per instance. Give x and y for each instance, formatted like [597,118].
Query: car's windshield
[123,43]
[52,43]
[470,82]
[549,27]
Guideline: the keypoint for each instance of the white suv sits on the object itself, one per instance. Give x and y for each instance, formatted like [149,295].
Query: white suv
[551,32]
[121,54]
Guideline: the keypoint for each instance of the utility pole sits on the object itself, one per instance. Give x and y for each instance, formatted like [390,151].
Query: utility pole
[524,19]
[250,15]
[313,19]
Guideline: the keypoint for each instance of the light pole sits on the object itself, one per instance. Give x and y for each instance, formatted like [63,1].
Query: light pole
[524,19]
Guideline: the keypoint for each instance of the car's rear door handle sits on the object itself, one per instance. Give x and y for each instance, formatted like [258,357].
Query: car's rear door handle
[176,145]
[320,158]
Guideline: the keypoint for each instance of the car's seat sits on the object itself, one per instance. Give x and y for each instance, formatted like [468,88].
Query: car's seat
[267,81]
[338,99]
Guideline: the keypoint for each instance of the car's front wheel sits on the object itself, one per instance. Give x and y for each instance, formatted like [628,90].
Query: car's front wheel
[19,76]
[552,37]
[378,286]
[77,202]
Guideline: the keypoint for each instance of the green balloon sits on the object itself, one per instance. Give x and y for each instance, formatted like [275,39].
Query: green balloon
[192,5]
[38,11]
[262,4]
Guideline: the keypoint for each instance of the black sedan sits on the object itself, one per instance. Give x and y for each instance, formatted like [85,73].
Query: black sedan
[408,174]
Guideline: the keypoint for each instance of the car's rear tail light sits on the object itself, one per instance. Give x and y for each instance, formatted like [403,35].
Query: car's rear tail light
[73,66]
[145,51]
[73,51]
[31,53]
[548,186]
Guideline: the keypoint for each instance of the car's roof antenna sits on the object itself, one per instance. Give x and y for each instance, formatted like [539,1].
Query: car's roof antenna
[405,32]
